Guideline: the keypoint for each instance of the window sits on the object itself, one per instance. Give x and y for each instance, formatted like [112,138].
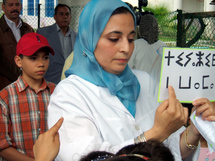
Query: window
[49,7]
[31,7]
[21,13]
[36,6]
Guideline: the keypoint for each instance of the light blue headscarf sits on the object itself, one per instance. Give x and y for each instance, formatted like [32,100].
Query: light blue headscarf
[92,22]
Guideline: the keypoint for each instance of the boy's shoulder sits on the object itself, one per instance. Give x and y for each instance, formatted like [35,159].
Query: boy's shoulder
[51,86]
[14,88]
[9,90]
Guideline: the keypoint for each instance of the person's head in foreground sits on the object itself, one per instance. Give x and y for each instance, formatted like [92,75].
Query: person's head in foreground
[152,150]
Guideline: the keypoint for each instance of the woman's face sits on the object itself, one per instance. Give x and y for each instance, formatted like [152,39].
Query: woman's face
[116,44]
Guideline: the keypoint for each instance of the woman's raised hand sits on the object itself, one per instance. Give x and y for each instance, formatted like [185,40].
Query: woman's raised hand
[169,117]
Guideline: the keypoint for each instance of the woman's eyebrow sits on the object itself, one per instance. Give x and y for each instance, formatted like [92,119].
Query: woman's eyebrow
[132,32]
[118,32]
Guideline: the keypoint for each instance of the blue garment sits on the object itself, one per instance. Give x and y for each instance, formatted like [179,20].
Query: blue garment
[92,22]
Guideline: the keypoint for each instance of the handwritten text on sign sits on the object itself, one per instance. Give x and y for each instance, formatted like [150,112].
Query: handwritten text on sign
[191,72]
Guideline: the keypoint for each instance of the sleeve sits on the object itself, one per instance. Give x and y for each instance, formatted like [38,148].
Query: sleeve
[173,143]
[5,123]
[39,31]
[79,133]
[8,69]
[42,31]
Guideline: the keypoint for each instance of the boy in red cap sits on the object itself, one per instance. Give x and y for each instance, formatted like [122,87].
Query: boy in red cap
[23,104]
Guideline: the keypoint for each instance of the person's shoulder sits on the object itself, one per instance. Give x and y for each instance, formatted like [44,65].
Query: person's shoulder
[72,32]
[51,85]
[139,72]
[3,24]
[141,75]
[9,91]
[161,43]
[2,18]
[45,29]
[27,26]
[140,41]
[73,81]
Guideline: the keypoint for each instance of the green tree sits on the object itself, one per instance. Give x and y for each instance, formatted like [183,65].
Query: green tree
[167,22]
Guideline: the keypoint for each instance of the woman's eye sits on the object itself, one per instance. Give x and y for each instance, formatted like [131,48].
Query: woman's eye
[113,40]
[130,40]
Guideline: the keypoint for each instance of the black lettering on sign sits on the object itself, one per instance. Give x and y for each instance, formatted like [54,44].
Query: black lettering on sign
[189,84]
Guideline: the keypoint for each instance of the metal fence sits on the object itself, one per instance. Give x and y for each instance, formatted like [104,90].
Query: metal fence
[175,29]
[187,29]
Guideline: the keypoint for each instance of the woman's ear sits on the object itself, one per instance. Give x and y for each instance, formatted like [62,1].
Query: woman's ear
[18,61]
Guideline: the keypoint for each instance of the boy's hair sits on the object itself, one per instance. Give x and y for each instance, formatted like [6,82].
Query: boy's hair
[32,42]
[21,56]
[61,5]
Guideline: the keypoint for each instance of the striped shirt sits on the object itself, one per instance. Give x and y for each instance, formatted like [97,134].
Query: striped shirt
[23,115]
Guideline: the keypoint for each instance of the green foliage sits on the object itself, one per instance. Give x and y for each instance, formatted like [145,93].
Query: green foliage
[167,22]
[157,10]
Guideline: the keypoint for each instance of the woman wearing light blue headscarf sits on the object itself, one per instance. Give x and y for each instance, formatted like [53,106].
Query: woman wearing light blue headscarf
[107,108]
[126,86]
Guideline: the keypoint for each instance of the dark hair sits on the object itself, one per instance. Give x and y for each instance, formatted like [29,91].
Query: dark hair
[96,155]
[152,150]
[61,5]
[21,56]
[121,10]
[5,1]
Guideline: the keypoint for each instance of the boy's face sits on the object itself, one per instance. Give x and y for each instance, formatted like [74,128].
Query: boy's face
[34,67]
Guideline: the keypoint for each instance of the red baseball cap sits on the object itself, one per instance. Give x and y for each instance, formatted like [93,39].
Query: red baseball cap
[30,43]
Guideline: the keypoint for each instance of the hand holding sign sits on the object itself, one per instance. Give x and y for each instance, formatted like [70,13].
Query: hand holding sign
[170,115]
[205,108]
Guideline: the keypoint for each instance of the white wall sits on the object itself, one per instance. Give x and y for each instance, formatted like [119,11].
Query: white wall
[193,5]
[208,7]
[186,5]
[132,2]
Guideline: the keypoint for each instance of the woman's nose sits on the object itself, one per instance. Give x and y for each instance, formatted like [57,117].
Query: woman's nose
[125,46]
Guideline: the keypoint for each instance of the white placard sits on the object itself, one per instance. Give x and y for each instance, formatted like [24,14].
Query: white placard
[190,71]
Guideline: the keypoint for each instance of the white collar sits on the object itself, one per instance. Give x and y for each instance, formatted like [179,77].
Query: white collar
[11,23]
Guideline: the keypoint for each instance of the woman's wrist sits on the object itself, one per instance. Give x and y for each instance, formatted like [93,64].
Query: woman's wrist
[190,146]
[140,138]
[190,140]
[155,134]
